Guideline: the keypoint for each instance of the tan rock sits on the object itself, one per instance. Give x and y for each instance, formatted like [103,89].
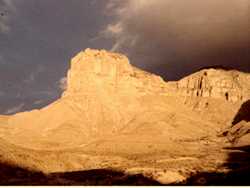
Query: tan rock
[231,85]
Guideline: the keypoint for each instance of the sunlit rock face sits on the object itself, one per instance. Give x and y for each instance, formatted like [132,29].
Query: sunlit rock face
[98,72]
[230,85]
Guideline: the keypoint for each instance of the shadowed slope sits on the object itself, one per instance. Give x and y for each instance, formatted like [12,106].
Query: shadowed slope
[243,113]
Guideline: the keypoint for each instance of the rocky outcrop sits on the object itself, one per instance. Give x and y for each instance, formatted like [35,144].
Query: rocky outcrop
[99,72]
[239,132]
[229,85]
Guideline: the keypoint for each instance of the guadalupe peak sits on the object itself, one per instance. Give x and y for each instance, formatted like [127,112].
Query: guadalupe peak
[101,62]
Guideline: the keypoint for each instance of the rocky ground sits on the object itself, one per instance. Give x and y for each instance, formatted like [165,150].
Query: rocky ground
[207,164]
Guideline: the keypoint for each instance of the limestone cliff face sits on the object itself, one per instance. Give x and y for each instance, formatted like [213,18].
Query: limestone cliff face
[101,72]
[94,70]
[231,85]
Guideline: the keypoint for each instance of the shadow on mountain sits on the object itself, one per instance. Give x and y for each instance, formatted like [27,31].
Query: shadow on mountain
[12,175]
[105,177]
[243,113]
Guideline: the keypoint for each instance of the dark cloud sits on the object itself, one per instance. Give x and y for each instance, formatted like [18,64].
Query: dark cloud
[176,37]
[7,8]
[42,37]
[14,109]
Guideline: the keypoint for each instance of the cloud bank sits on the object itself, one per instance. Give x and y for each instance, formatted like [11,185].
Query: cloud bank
[176,37]
[62,83]
[14,109]
[7,8]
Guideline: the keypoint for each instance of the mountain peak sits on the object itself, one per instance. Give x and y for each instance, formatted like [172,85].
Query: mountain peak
[99,71]
[93,69]
[99,57]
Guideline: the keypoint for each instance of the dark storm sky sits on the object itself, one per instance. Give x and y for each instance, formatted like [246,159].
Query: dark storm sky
[40,39]
[169,37]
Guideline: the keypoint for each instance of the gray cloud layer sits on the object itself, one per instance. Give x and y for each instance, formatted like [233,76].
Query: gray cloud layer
[175,37]
[36,48]
[6,7]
